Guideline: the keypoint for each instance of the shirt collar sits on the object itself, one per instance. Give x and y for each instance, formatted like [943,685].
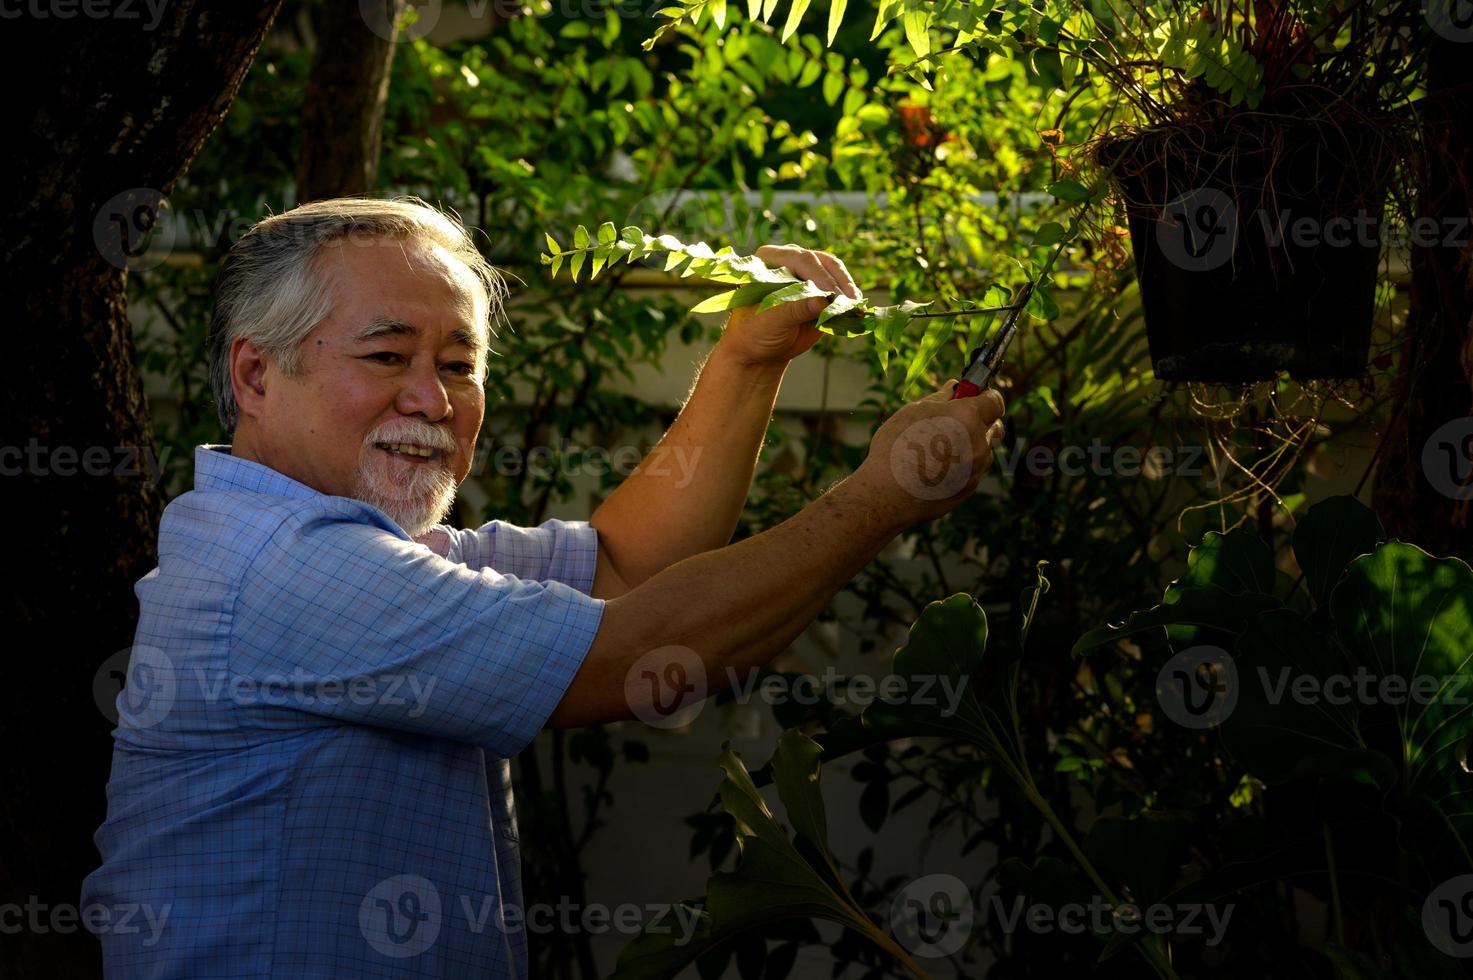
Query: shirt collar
[215,469]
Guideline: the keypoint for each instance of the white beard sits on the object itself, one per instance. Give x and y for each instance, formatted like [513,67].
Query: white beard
[414,496]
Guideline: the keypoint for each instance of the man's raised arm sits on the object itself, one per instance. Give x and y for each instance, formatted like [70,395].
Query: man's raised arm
[687,495]
[736,607]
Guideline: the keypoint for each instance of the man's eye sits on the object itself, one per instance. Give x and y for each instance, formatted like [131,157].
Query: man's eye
[461,368]
[382,357]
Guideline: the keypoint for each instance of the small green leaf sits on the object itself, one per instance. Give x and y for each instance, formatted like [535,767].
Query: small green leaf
[1050,234]
[735,298]
[1068,190]
[552,245]
[886,13]
[795,15]
[836,16]
[1042,303]
[607,233]
[840,305]
[580,237]
[718,14]
[833,87]
[917,21]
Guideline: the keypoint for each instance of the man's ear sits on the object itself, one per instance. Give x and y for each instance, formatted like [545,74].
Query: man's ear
[248,376]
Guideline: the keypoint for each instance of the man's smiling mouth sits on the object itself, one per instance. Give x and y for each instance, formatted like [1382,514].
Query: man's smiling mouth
[408,449]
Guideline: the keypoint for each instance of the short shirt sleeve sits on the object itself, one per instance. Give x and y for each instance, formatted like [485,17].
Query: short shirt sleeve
[355,624]
[555,550]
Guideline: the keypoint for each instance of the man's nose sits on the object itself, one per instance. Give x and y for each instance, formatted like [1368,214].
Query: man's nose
[423,393]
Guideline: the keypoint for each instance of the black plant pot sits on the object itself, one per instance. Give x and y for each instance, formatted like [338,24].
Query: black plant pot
[1256,250]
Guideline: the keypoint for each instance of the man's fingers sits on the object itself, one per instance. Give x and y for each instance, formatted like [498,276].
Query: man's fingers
[990,406]
[805,264]
[841,275]
[943,393]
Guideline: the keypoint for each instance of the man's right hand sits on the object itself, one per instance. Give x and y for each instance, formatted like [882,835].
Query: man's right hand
[930,455]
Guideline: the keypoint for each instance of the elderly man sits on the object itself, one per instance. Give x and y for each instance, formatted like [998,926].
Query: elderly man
[309,777]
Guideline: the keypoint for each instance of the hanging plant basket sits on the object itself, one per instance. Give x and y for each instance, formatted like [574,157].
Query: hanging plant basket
[1257,243]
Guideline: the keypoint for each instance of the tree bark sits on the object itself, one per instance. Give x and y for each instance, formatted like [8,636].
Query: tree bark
[125,104]
[343,118]
[1433,387]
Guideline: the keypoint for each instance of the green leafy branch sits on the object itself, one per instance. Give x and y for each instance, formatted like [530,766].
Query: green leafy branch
[757,284]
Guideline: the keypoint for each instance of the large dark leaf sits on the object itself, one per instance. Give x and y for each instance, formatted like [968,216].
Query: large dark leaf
[1143,853]
[1210,607]
[1408,616]
[1328,536]
[1238,563]
[936,668]
[1285,710]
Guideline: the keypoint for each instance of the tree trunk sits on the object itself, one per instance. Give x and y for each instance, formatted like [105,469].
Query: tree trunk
[1423,476]
[126,102]
[343,119]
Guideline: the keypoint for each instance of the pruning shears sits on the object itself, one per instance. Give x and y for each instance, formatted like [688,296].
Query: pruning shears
[987,358]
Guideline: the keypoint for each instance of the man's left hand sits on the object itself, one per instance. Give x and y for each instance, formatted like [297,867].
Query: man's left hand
[776,336]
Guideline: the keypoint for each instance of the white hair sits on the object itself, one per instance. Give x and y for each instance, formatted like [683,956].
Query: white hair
[270,293]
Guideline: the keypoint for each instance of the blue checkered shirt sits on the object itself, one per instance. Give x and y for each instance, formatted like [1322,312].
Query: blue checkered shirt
[309,770]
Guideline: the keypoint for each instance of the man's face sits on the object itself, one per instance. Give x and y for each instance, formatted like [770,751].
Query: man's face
[388,402]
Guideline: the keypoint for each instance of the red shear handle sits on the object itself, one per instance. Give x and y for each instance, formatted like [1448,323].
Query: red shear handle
[965,389]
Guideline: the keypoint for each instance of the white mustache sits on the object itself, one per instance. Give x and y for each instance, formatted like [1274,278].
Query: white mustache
[417,433]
